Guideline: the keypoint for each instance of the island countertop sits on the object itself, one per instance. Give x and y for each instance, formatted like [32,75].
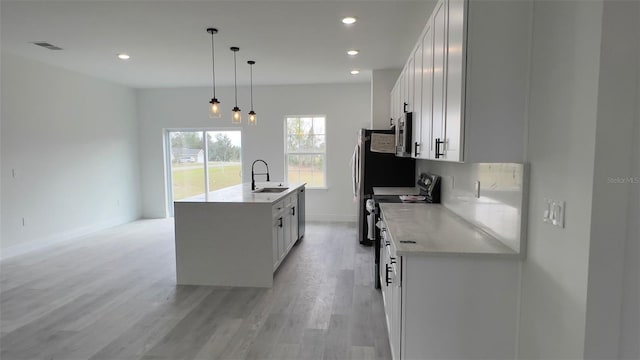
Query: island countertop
[242,193]
[437,231]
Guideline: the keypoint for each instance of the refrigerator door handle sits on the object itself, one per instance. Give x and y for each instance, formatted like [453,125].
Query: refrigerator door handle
[355,170]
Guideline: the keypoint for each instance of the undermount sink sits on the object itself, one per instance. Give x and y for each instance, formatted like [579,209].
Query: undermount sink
[271,190]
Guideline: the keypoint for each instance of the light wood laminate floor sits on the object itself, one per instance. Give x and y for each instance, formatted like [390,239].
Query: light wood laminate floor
[113,295]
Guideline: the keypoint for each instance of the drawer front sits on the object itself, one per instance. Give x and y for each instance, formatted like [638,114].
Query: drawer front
[293,199]
[278,207]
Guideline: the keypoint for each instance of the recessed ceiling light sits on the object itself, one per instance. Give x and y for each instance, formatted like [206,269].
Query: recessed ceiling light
[355,72]
[124,57]
[349,20]
[353,52]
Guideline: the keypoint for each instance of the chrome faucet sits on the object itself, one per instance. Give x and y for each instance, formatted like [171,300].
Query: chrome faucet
[253,179]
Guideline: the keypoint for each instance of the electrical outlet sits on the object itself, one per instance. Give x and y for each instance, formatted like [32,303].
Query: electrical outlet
[476,189]
[14,173]
[554,212]
[24,222]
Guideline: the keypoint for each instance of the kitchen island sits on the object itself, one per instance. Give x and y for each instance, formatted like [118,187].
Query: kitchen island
[236,236]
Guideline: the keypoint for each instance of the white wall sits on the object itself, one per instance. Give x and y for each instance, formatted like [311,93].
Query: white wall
[0,149]
[72,141]
[562,125]
[617,115]
[630,319]
[382,82]
[347,108]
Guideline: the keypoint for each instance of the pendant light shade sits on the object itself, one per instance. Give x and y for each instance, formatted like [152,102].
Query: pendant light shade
[214,104]
[252,114]
[237,114]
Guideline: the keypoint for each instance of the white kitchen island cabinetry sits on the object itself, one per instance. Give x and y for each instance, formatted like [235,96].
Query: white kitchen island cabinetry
[449,290]
[285,227]
[236,237]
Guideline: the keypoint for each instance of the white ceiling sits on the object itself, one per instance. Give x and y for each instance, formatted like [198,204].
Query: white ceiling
[292,42]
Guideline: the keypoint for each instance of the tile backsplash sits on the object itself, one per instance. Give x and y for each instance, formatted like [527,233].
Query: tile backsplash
[491,196]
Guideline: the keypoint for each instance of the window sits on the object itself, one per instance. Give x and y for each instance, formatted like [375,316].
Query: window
[306,150]
[200,161]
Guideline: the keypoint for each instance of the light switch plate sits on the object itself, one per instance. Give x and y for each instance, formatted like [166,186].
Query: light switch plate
[554,212]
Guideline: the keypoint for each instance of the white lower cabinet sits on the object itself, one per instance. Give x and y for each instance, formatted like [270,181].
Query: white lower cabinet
[277,238]
[391,293]
[275,234]
[293,215]
[449,307]
[284,228]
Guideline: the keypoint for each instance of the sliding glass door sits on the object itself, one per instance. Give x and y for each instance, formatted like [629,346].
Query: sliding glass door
[201,161]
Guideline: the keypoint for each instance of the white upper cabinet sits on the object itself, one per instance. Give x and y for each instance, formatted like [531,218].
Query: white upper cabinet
[439,80]
[395,107]
[404,90]
[416,101]
[471,82]
[410,75]
[426,93]
[455,68]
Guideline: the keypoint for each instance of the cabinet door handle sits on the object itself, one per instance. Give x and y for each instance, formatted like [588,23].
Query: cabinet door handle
[280,225]
[293,211]
[417,146]
[438,143]
[393,260]
[391,122]
[404,107]
[387,279]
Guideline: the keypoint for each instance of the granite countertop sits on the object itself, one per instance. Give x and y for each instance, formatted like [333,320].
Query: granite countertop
[396,191]
[437,231]
[242,193]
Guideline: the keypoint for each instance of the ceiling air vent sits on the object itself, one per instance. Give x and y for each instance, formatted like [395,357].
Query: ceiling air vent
[46,45]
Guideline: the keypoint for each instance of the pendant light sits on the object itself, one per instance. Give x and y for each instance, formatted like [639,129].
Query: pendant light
[237,115]
[252,114]
[214,107]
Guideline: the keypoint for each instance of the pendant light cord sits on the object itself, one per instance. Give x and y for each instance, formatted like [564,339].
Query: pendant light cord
[235,77]
[251,79]
[213,68]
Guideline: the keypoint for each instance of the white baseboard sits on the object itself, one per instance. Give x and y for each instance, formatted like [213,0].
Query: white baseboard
[330,217]
[62,237]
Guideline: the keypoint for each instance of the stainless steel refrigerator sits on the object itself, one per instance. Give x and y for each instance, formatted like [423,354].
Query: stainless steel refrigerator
[376,169]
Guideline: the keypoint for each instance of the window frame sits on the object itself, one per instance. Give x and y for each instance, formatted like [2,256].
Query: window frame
[324,154]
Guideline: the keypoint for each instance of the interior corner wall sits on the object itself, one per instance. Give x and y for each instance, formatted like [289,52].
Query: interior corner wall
[69,158]
[561,147]
[630,317]
[382,82]
[612,180]
[347,107]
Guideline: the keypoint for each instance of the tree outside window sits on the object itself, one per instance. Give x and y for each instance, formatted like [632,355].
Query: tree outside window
[306,150]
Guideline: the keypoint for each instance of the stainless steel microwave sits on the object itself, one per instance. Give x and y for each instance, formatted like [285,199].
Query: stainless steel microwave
[403,135]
